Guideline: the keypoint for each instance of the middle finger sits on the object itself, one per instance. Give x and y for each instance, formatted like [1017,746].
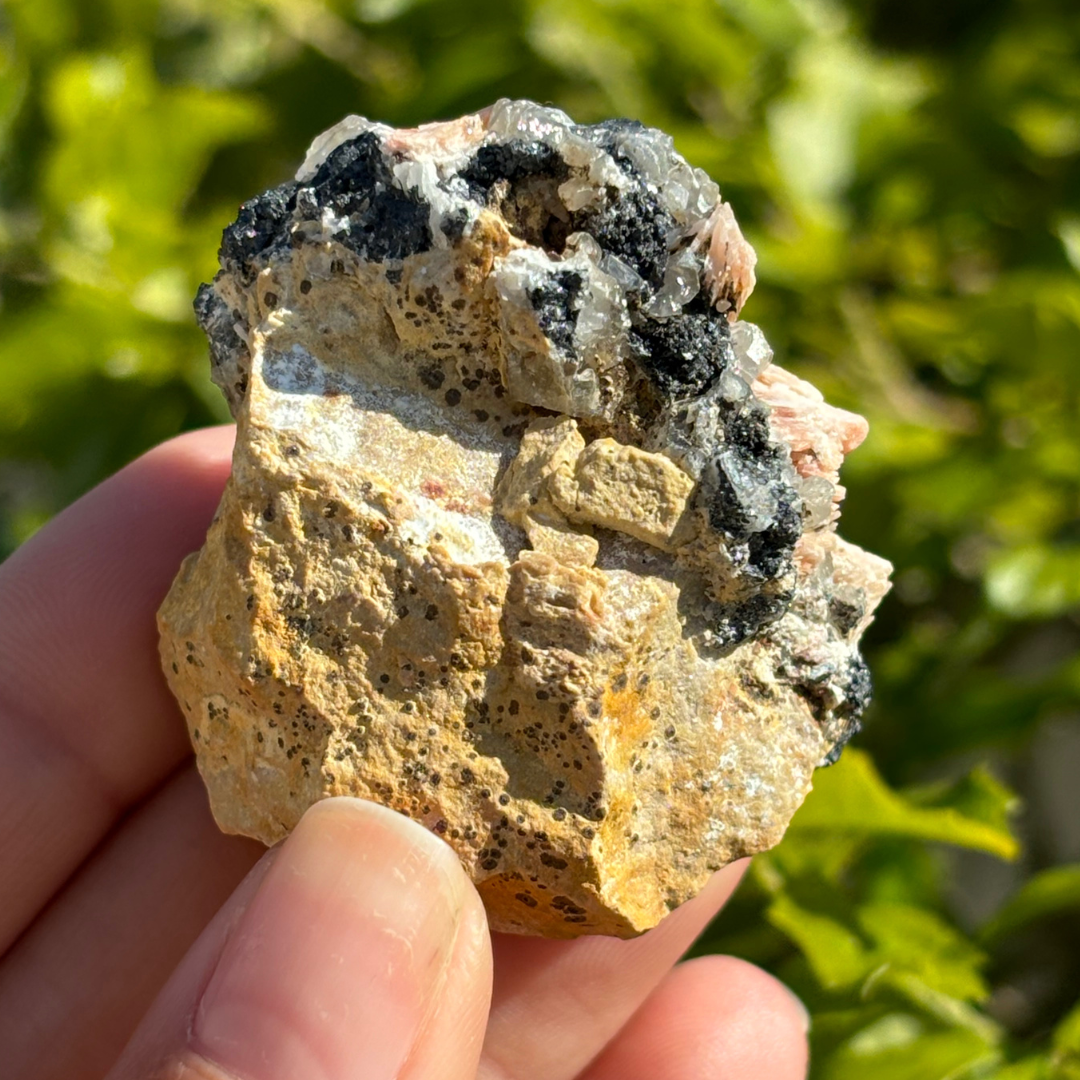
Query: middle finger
[556,1004]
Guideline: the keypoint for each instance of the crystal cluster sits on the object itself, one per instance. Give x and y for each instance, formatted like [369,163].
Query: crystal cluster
[526,535]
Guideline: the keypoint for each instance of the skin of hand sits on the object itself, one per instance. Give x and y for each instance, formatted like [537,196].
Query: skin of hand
[137,941]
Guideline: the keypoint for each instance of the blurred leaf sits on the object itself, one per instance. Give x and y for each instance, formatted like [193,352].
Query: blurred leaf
[852,798]
[837,87]
[1066,1041]
[1032,1068]
[117,187]
[13,86]
[919,942]
[807,852]
[978,795]
[837,955]
[889,1052]
[945,1009]
[896,870]
[1035,580]
[1052,892]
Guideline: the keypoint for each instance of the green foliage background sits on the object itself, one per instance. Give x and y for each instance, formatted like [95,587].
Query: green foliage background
[910,176]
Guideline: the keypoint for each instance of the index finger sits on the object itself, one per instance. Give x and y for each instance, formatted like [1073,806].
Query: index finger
[87,725]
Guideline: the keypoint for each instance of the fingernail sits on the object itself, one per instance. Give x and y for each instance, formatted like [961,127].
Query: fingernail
[334,965]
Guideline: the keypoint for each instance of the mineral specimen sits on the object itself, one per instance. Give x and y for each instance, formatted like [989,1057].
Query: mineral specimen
[525,537]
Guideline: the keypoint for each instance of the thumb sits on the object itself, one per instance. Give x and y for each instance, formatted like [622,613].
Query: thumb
[357,947]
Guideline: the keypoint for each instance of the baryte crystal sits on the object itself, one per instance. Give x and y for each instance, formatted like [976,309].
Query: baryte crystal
[526,537]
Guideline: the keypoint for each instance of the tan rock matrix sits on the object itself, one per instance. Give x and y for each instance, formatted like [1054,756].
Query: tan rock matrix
[524,538]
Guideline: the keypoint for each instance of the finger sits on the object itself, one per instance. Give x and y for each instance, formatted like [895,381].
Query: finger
[90,966]
[87,726]
[556,1004]
[711,1019]
[363,952]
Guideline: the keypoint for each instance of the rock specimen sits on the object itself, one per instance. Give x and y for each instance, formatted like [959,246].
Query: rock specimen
[525,537]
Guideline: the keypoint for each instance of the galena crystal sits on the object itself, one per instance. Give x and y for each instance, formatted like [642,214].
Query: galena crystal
[526,536]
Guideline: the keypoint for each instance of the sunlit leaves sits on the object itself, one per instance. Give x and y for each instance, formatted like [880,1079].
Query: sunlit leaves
[127,155]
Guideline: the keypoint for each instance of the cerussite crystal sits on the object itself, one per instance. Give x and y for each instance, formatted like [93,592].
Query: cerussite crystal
[525,535]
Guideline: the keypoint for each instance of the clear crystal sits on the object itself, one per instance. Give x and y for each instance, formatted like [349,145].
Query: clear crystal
[565,382]
[732,386]
[625,275]
[682,282]
[756,498]
[753,353]
[526,119]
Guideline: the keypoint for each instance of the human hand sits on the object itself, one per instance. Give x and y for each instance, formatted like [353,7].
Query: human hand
[356,948]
